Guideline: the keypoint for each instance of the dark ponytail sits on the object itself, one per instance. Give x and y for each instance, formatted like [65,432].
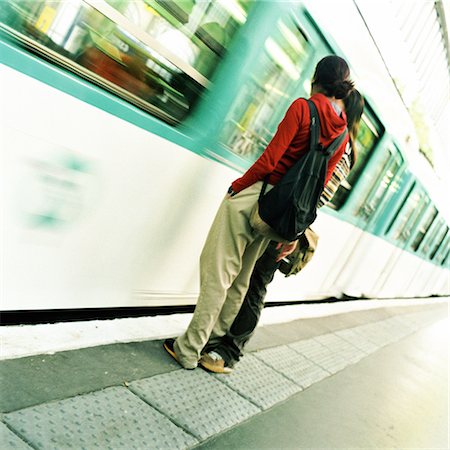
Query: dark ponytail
[332,77]
[354,108]
[341,89]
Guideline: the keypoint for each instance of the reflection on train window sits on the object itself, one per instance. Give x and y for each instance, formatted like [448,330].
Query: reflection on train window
[406,217]
[444,249]
[446,259]
[423,227]
[368,136]
[434,237]
[157,54]
[266,95]
[439,243]
[383,184]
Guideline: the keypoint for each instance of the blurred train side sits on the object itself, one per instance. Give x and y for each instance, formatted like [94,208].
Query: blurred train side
[106,204]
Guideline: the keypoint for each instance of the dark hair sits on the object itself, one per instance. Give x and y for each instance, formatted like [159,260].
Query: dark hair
[332,77]
[354,107]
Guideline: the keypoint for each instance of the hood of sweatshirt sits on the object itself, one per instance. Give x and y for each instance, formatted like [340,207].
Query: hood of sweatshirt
[331,124]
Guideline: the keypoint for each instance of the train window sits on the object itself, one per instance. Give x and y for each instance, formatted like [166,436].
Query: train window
[446,259]
[156,54]
[265,96]
[405,219]
[368,135]
[197,32]
[423,227]
[384,183]
[441,248]
[434,239]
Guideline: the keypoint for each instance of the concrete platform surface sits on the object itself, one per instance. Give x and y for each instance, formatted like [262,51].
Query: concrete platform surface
[367,379]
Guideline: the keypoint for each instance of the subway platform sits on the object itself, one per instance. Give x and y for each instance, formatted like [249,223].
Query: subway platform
[368,378]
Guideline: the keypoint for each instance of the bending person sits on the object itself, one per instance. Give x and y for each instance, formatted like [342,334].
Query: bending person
[223,352]
[232,247]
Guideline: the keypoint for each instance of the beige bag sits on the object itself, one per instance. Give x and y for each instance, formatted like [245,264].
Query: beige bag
[303,253]
[262,227]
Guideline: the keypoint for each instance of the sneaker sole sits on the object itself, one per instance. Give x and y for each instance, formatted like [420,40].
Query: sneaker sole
[170,352]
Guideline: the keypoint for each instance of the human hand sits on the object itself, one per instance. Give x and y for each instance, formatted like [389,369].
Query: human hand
[230,193]
[285,249]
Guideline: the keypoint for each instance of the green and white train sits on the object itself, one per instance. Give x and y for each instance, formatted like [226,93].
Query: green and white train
[124,122]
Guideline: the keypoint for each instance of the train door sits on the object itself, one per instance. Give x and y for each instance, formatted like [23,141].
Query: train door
[415,245]
[443,285]
[426,271]
[439,247]
[368,145]
[382,181]
[400,230]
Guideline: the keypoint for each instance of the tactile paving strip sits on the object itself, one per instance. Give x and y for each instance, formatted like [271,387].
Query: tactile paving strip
[195,401]
[110,419]
[341,347]
[408,321]
[379,333]
[417,320]
[293,365]
[259,383]
[398,329]
[9,441]
[320,355]
[358,340]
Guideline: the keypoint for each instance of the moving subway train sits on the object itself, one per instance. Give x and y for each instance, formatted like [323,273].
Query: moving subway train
[124,122]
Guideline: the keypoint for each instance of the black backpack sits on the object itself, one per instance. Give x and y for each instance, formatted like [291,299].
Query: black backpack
[284,213]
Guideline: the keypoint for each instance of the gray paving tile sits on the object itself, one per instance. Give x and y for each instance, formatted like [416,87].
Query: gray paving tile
[320,355]
[195,401]
[373,404]
[420,319]
[293,365]
[10,441]
[375,333]
[45,378]
[259,383]
[390,332]
[309,348]
[110,419]
[409,322]
[399,330]
[358,339]
[341,347]
[371,336]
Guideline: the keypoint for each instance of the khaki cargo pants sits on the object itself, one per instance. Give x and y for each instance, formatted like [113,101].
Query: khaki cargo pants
[226,264]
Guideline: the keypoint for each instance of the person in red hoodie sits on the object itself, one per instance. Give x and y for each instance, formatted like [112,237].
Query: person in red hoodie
[232,246]
[223,352]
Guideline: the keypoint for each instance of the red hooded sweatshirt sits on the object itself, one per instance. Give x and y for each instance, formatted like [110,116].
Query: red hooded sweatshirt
[291,141]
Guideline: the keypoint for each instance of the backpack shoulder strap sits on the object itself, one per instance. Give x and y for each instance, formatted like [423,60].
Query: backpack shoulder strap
[314,129]
[314,126]
[315,132]
[336,143]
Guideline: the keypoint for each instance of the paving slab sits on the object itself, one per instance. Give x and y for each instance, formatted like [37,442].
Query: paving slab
[113,418]
[395,398]
[341,347]
[195,401]
[44,410]
[10,440]
[292,365]
[320,355]
[259,383]
[47,377]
